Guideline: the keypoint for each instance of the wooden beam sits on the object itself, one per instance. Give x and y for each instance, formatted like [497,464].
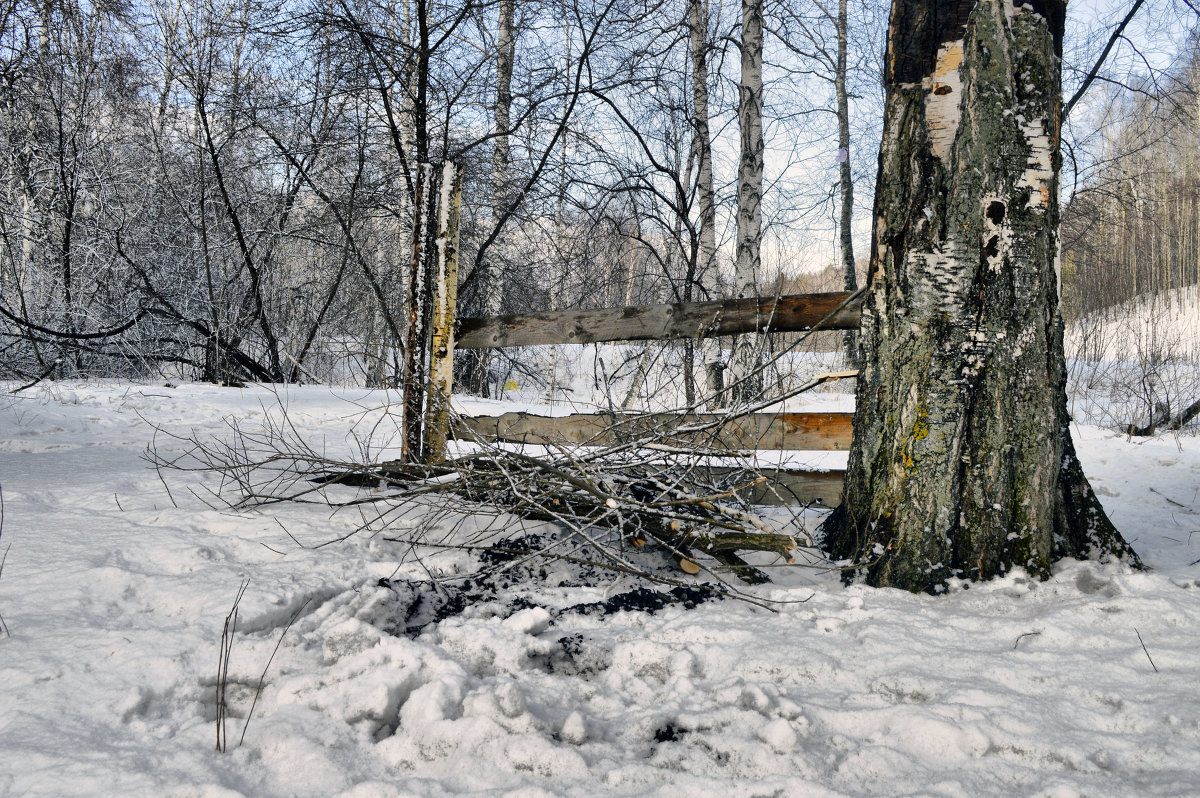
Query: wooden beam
[792,313]
[793,486]
[786,431]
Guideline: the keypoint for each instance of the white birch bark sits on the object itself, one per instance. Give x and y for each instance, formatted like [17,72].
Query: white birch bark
[745,360]
[490,284]
[706,197]
[845,176]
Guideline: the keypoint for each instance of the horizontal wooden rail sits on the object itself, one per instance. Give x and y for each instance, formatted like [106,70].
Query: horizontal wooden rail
[791,313]
[793,486]
[786,431]
[780,431]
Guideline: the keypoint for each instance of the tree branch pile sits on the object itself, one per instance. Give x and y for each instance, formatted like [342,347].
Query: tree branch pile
[621,506]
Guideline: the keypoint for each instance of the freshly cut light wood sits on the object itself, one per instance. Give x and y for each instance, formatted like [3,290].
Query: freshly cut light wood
[786,431]
[791,313]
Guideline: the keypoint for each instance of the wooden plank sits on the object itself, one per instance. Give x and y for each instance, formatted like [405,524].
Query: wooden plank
[786,431]
[793,486]
[791,313]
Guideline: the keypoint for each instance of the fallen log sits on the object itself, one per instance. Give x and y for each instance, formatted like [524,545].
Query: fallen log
[1161,418]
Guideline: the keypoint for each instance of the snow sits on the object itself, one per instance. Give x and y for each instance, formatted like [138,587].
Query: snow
[1161,326]
[116,591]
[1135,358]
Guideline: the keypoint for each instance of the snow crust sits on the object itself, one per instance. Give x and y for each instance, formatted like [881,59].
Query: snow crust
[115,594]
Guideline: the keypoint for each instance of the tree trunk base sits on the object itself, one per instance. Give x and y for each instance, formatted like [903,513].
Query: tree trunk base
[1082,530]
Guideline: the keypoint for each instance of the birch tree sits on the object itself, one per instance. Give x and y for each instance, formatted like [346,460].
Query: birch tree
[705,194]
[962,463]
[490,289]
[745,359]
[845,176]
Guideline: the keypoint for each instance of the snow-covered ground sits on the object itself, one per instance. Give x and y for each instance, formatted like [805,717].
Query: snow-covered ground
[117,584]
[1136,357]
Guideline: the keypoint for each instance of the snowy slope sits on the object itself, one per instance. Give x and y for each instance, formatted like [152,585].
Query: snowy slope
[115,593]
[1164,325]
[1138,357]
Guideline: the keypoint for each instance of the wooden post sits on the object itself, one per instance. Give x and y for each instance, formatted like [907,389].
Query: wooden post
[445,296]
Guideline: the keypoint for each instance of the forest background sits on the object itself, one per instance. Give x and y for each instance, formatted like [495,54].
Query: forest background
[224,191]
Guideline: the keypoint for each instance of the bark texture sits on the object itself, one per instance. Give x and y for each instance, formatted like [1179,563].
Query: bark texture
[746,357]
[705,194]
[845,176]
[962,463]
[479,380]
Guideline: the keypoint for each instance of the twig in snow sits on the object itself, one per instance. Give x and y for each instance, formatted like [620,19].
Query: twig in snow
[1139,636]
[263,678]
[158,470]
[289,534]
[223,663]
[1169,499]
[1027,634]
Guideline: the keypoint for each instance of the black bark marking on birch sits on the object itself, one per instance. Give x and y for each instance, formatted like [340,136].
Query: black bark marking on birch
[991,249]
[995,212]
[911,38]
[952,16]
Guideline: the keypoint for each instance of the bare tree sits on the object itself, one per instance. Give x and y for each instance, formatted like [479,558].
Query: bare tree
[845,176]
[706,265]
[745,361]
[962,463]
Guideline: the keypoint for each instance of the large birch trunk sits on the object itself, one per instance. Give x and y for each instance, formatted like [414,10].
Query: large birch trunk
[745,368]
[962,463]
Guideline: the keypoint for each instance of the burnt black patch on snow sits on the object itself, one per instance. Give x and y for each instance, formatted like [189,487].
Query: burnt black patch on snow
[643,599]
[519,561]
[509,549]
[576,656]
[669,733]
[418,604]
[510,573]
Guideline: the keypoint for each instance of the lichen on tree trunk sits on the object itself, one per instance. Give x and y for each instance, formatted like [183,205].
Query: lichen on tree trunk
[962,463]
